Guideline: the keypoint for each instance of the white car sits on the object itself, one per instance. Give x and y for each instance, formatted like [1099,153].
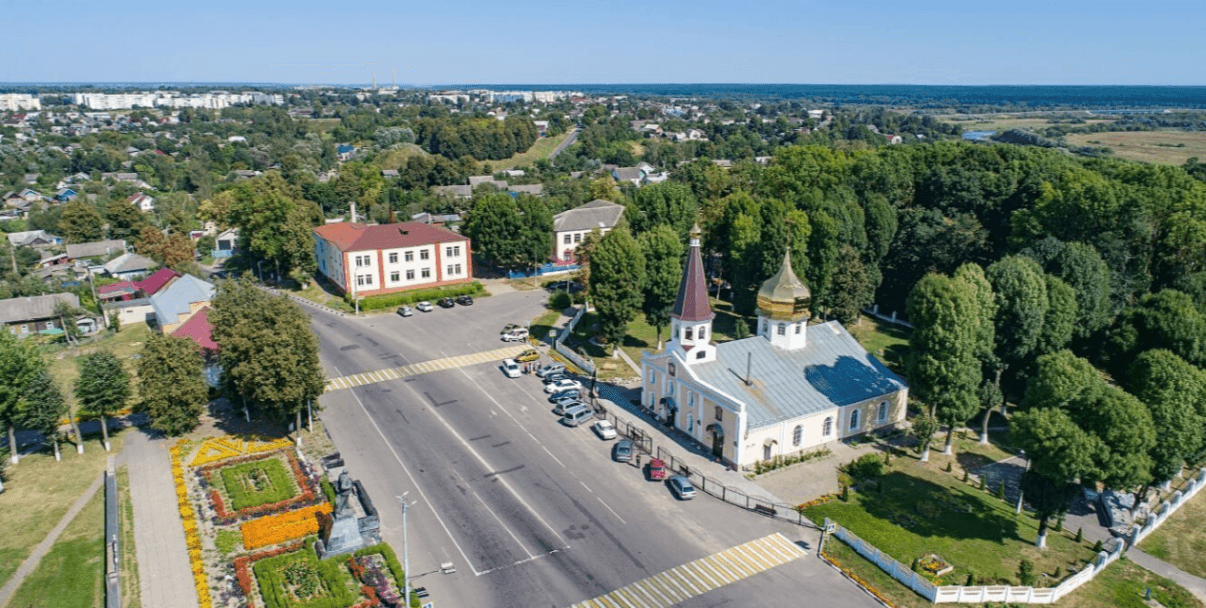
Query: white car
[510,368]
[518,334]
[604,429]
[562,385]
[424,306]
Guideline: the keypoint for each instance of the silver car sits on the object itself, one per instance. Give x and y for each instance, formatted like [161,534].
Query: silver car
[681,486]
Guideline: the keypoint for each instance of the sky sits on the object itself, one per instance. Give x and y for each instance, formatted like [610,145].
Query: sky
[559,42]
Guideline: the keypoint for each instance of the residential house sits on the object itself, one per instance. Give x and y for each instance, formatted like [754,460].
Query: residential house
[345,152]
[198,329]
[116,292]
[723,163]
[477,180]
[142,201]
[893,139]
[33,238]
[34,314]
[388,258]
[454,191]
[95,249]
[438,220]
[226,243]
[571,227]
[792,387]
[31,178]
[129,266]
[179,301]
[389,173]
[158,280]
[65,194]
[532,189]
[631,175]
[129,312]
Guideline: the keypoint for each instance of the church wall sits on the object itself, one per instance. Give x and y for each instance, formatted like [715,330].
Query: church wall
[869,414]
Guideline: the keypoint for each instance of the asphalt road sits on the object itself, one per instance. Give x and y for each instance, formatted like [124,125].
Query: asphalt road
[529,512]
[569,141]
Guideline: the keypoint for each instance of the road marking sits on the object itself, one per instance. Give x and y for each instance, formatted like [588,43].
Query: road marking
[692,579]
[546,451]
[613,511]
[413,482]
[422,367]
[496,517]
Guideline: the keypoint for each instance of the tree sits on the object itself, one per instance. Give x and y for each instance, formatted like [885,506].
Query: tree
[583,254]
[20,363]
[534,247]
[1175,394]
[1167,319]
[851,287]
[668,203]
[81,222]
[1060,455]
[1081,267]
[268,353]
[170,250]
[1059,323]
[492,226]
[616,283]
[42,407]
[103,387]
[923,428]
[172,384]
[268,213]
[125,221]
[1021,295]
[663,252]
[942,364]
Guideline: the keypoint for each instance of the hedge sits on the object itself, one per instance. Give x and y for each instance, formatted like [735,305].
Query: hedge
[390,300]
[391,561]
[328,489]
[282,488]
[272,585]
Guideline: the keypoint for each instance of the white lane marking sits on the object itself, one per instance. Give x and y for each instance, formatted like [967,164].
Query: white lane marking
[586,486]
[412,480]
[613,511]
[546,451]
[496,517]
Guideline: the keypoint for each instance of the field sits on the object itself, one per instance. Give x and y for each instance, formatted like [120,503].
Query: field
[124,344]
[1164,147]
[541,149]
[1180,540]
[1004,122]
[394,159]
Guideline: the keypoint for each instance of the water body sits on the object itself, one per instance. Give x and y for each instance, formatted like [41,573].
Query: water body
[978,135]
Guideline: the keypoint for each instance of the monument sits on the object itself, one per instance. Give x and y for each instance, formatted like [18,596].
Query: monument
[349,530]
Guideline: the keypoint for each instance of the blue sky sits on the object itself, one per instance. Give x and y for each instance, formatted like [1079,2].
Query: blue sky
[542,41]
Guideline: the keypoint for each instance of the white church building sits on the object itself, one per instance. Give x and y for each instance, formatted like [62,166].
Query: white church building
[791,388]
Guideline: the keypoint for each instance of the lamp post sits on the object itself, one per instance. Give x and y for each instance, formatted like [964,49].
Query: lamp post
[405,554]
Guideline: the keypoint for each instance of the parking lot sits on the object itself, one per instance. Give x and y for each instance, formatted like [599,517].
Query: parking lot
[529,511]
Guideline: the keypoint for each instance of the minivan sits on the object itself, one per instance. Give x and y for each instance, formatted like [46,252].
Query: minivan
[565,407]
[576,416]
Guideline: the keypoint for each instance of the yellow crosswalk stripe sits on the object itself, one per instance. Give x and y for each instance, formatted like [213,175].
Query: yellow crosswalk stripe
[422,367]
[722,575]
[629,598]
[697,575]
[657,589]
[670,587]
[606,601]
[644,595]
[682,577]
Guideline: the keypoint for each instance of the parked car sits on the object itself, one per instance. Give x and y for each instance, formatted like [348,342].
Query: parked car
[508,327]
[557,377]
[510,368]
[550,368]
[681,486]
[571,286]
[465,300]
[424,306]
[528,356]
[518,334]
[622,450]
[446,303]
[405,311]
[604,429]
[566,405]
[657,469]
[562,385]
[571,393]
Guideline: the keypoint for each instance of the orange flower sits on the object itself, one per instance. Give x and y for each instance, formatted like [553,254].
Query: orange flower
[280,528]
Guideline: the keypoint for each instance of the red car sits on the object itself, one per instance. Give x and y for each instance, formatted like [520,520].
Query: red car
[657,470]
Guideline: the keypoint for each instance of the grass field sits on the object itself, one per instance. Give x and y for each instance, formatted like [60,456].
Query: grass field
[52,487]
[395,158]
[541,149]
[124,344]
[1180,540]
[887,341]
[1004,122]
[71,574]
[1163,147]
[131,591]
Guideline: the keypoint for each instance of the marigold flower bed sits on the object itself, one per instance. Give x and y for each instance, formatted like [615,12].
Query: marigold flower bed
[284,527]
[225,516]
[191,537]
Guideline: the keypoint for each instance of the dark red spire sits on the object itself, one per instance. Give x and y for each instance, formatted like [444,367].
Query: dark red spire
[692,301]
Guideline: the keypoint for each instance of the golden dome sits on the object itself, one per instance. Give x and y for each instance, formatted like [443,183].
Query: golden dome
[784,297]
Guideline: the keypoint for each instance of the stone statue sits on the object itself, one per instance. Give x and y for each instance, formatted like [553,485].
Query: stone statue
[343,495]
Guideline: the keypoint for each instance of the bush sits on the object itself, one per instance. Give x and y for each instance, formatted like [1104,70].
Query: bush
[1026,573]
[560,301]
[273,472]
[1001,490]
[328,489]
[1098,547]
[868,466]
[1080,534]
[391,300]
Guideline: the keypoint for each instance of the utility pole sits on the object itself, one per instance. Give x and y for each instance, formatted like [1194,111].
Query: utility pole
[405,555]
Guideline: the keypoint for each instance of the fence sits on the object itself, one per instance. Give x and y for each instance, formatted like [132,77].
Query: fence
[581,361]
[112,546]
[873,310]
[1167,507]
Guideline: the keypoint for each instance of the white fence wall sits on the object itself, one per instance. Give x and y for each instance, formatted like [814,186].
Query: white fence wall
[886,562]
[583,362]
[1167,507]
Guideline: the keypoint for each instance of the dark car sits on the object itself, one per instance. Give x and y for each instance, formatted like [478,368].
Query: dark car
[622,451]
[465,300]
[446,303]
[573,392]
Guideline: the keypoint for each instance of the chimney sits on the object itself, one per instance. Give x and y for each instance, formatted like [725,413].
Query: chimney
[353,206]
[749,364]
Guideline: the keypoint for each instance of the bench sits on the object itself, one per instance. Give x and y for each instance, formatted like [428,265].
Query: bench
[765,510]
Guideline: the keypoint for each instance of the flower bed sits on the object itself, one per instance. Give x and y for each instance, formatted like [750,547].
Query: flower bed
[816,501]
[191,537]
[296,579]
[284,527]
[215,449]
[224,516]
[242,563]
[253,484]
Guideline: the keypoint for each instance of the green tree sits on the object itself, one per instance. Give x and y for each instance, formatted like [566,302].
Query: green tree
[1060,454]
[493,225]
[81,222]
[942,365]
[923,428]
[1175,394]
[20,363]
[1083,269]
[170,250]
[534,247]
[42,407]
[1021,295]
[663,252]
[103,387]
[668,203]
[268,211]
[617,280]
[172,384]
[1167,319]
[1059,323]
[1048,498]
[851,287]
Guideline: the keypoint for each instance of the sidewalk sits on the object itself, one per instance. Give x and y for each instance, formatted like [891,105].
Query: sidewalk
[165,574]
[1196,585]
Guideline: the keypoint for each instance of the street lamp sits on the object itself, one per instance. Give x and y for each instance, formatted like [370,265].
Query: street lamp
[405,554]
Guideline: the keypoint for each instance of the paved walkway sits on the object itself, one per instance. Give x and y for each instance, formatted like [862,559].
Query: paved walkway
[34,558]
[1195,584]
[165,575]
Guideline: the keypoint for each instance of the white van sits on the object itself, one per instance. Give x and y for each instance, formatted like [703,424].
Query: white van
[576,416]
[511,368]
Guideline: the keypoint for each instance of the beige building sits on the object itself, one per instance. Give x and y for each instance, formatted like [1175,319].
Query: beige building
[791,388]
[571,227]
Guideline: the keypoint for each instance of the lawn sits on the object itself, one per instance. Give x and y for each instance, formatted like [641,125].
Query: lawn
[1181,540]
[72,573]
[257,483]
[923,509]
[1120,585]
[541,149]
[39,491]
[126,343]
[887,341]
[320,291]
[1165,147]
[131,591]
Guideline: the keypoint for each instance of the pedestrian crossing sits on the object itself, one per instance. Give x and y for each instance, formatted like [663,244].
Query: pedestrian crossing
[424,367]
[677,585]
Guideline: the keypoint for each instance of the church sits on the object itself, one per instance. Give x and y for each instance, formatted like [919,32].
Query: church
[790,388]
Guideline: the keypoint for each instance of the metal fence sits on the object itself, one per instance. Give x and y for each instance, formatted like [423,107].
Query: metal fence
[112,546]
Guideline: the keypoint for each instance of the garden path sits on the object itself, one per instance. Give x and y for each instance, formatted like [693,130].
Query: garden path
[166,576]
[1195,584]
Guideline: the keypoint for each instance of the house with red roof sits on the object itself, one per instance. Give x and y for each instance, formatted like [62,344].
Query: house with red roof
[197,328]
[388,258]
[158,280]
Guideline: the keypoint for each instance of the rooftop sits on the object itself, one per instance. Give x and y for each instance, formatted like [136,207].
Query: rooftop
[177,299]
[349,236]
[17,310]
[595,214]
